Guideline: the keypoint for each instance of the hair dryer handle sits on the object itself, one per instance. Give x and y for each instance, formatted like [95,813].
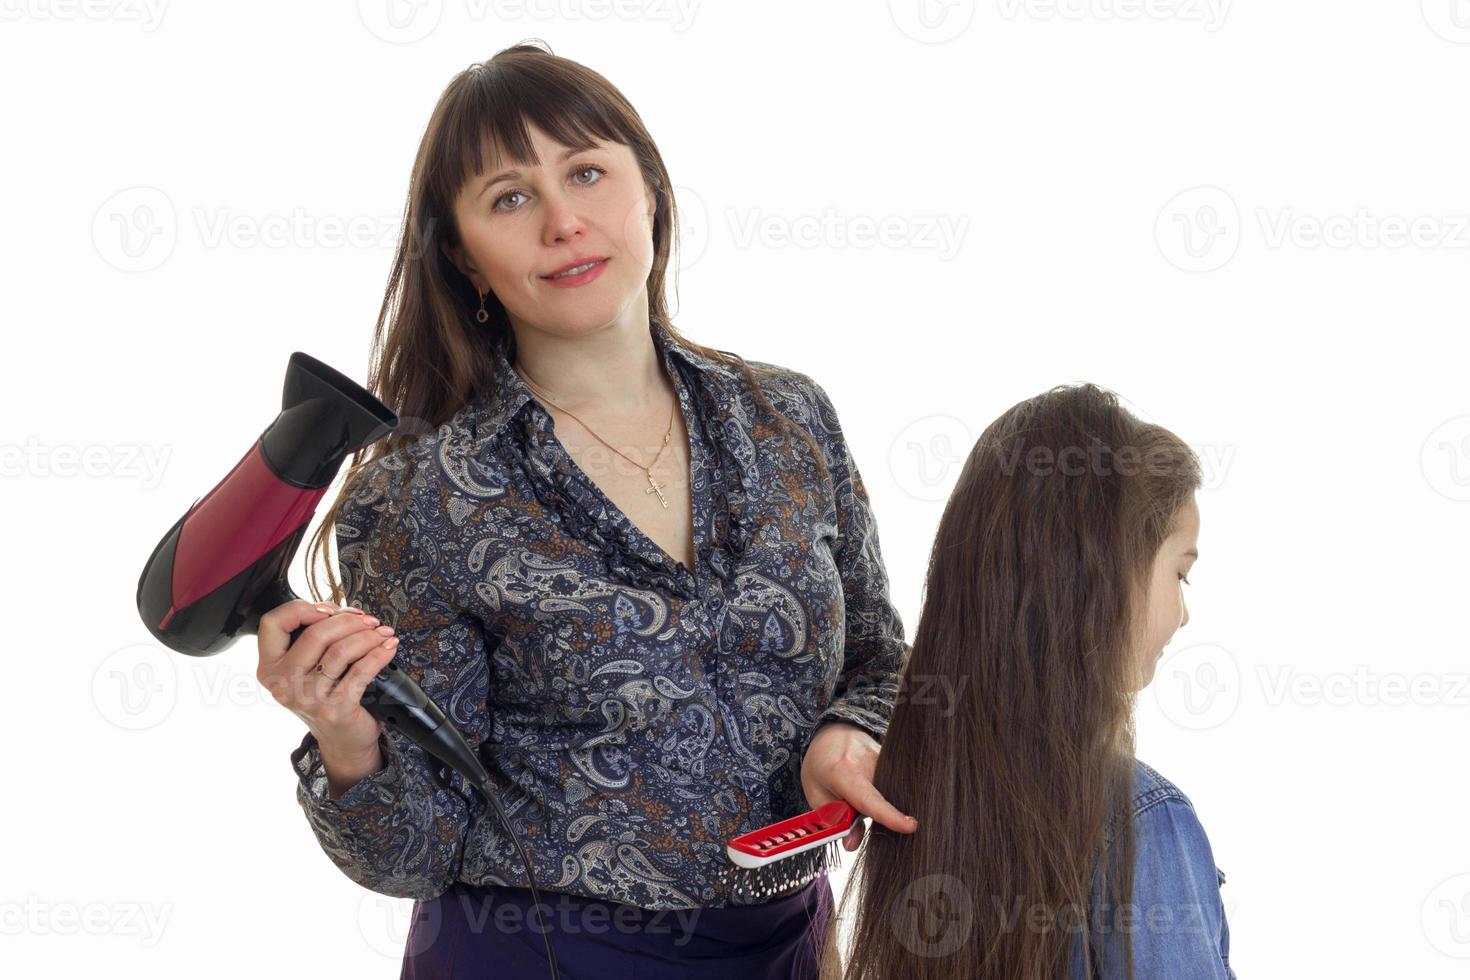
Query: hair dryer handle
[396,699]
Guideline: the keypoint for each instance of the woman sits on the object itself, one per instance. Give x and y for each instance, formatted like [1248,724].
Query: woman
[641,575]
[1055,580]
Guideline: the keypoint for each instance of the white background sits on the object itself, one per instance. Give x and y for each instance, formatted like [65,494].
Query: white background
[1248,219]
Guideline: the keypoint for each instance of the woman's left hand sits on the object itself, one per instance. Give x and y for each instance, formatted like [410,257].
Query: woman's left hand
[839,765]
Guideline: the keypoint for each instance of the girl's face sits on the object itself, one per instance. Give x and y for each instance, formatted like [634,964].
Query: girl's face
[1166,609]
[520,224]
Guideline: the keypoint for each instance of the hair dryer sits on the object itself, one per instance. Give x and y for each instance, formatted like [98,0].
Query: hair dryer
[225,562]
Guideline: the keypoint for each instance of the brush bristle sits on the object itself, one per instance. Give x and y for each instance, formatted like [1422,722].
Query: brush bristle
[782,877]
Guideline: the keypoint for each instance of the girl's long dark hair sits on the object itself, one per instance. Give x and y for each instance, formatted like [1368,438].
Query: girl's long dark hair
[429,355]
[1018,762]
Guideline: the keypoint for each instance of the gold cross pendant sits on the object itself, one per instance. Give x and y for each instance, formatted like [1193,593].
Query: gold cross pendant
[653,487]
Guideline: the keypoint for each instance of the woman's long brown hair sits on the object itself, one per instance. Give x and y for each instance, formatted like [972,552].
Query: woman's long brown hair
[429,355]
[1013,739]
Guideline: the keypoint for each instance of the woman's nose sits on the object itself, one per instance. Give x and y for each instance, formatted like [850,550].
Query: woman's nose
[1184,613]
[562,221]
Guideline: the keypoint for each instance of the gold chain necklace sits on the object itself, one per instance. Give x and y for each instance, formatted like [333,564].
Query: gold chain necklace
[653,485]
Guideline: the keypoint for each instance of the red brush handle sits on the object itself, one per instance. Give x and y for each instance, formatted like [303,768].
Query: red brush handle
[828,822]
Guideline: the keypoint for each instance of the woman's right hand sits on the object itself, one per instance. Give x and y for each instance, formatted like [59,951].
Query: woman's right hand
[350,648]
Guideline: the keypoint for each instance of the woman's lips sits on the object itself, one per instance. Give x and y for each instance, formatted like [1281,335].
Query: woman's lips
[580,279]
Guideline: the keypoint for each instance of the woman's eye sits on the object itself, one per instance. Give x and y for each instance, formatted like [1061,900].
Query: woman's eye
[598,170]
[500,201]
[1184,579]
[502,198]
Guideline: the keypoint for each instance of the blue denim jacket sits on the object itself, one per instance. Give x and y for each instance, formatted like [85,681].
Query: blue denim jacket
[1177,921]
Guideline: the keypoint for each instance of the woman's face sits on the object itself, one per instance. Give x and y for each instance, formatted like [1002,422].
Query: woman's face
[520,224]
[1166,609]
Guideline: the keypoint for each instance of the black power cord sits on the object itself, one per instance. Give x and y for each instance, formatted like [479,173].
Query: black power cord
[484,788]
[401,704]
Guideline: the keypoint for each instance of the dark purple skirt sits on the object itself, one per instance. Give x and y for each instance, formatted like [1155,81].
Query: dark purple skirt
[494,931]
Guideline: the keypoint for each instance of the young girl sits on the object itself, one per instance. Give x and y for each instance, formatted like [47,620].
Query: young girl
[1047,850]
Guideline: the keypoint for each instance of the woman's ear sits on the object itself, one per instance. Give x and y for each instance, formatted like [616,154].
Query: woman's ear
[456,255]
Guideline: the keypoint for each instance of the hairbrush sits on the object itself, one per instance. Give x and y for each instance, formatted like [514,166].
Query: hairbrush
[826,824]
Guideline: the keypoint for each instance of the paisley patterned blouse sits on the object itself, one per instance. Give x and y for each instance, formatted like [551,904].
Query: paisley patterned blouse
[633,714]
